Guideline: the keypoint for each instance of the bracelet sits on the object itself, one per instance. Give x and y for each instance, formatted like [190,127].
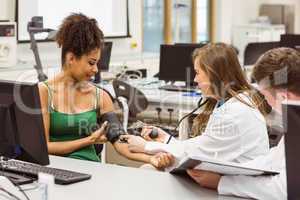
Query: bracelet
[170,137]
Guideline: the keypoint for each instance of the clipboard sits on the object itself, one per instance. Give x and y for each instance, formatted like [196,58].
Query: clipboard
[218,166]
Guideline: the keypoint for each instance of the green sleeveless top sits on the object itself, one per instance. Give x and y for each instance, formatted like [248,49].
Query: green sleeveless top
[68,127]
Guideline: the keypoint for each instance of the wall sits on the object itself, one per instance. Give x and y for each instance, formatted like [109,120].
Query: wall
[235,12]
[296,3]
[4,9]
[229,13]
[49,51]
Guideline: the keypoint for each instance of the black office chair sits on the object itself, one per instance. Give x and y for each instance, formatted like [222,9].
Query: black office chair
[130,99]
[290,40]
[254,50]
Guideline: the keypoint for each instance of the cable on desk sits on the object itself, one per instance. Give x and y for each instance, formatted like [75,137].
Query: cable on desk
[2,160]
[23,192]
[9,193]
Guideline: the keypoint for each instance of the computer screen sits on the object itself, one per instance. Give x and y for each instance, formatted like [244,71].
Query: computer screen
[22,134]
[291,119]
[198,45]
[290,40]
[7,135]
[103,64]
[176,63]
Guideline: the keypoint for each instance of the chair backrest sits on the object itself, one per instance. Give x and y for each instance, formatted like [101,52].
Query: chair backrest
[254,50]
[290,40]
[136,100]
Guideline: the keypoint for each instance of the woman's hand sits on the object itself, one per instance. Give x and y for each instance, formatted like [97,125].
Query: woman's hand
[162,160]
[162,135]
[99,136]
[204,178]
[136,144]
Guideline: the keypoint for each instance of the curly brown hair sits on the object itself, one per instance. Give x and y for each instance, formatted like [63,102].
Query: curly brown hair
[279,69]
[79,35]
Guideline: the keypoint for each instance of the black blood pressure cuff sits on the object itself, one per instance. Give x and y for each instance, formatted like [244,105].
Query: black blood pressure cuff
[114,127]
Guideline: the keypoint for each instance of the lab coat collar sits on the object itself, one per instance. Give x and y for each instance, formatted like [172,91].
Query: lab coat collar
[222,104]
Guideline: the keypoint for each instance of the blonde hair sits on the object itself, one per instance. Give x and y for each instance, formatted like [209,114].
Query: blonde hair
[220,63]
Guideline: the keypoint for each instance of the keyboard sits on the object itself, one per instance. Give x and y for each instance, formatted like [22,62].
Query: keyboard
[176,88]
[16,179]
[61,176]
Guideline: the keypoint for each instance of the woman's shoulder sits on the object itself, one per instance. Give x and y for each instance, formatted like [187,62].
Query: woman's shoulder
[102,92]
[44,86]
[237,106]
[242,107]
[241,100]
[105,99]
[44,92]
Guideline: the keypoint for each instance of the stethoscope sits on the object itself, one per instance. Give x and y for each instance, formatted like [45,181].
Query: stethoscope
[200,104]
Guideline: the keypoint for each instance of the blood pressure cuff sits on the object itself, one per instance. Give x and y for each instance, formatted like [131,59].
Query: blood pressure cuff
[114,127]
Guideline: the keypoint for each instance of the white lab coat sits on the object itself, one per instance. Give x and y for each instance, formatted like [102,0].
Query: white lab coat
[235,132]
[260,187]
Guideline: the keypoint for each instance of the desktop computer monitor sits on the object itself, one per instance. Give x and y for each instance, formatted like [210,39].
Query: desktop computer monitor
[197,45]
[22,134]
[291,119]
[176,63]
[290,40]
[103,64]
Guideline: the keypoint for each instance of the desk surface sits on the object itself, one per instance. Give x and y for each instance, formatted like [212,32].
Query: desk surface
[118,182]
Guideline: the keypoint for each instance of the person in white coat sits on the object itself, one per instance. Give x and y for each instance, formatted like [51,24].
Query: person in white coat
[231,126]
[278,75]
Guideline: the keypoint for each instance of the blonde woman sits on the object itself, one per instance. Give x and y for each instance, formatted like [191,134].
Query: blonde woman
[269,71]
[232,126]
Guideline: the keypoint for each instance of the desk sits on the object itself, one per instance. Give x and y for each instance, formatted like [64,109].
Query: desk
[117,182]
